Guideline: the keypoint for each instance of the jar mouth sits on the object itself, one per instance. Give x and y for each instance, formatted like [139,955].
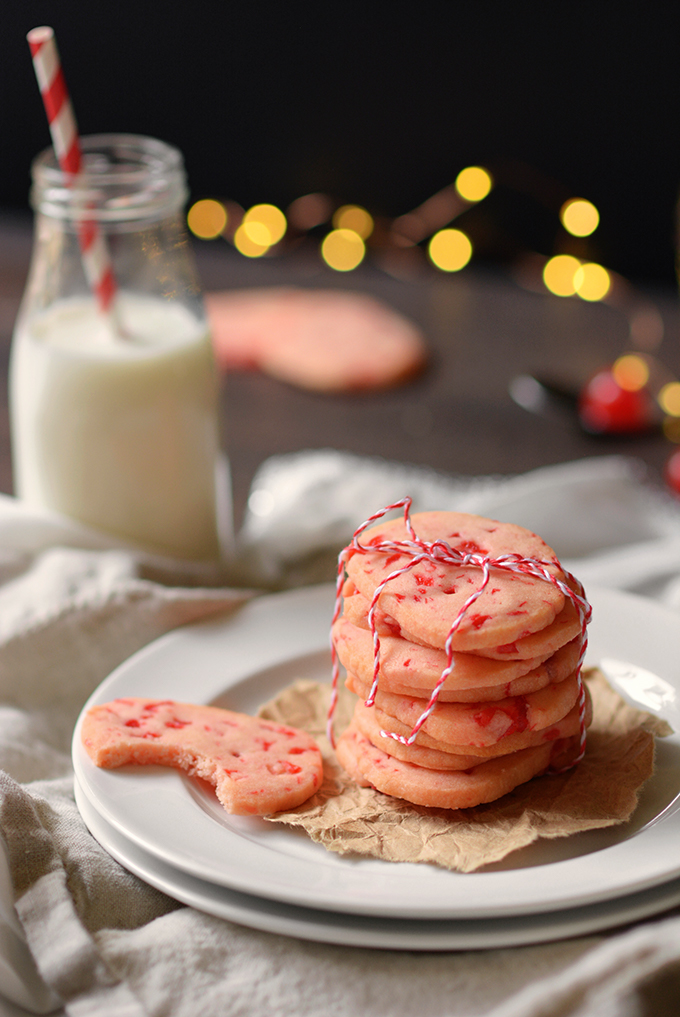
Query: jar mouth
[124,177]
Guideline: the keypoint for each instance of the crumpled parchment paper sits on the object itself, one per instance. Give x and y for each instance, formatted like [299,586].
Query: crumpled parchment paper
[601,791]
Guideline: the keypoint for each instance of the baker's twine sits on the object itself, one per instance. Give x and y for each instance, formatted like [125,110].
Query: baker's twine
[441,553]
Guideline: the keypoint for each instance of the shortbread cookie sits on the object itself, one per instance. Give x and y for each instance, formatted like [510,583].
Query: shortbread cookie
[426,600]
[536,646]
[511,743]
[256,767]
[372,722]
[479,724]
[409,669]
[326,340]
[444,789]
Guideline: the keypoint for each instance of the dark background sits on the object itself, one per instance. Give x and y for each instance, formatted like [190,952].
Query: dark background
[381,103]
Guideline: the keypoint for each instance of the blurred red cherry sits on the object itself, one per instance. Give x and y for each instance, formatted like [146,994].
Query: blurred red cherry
[673,472]
[605,407]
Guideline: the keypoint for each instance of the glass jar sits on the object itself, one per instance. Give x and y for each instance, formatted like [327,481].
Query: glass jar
[114,414]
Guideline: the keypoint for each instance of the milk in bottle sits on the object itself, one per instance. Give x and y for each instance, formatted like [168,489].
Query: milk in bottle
[114,416]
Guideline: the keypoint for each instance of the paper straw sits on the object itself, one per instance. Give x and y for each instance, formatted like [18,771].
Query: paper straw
[62,124]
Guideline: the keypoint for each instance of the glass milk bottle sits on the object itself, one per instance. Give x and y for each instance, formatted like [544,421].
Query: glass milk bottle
[114,415]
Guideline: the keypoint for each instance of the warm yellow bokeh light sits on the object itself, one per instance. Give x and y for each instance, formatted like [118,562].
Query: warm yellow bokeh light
[579,217]
[257,233]
[450,250]
[631,372]
[270,217]
[592,281]
[669,398]
[558,274]
[252,239]
[343,250]
[207,218]
[354,217]
[474,183]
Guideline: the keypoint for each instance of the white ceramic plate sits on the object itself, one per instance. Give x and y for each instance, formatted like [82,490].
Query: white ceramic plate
[243,660]
[367,931]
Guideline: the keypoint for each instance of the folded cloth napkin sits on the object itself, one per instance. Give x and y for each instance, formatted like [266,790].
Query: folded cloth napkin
[80,935]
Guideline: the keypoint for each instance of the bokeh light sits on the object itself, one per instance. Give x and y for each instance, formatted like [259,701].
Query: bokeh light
[354,217]
[207,218]
[257,233]
[579,217]
[343,250]
[604,407]
[592,281]
[474,183]
[252,239]
[669,398]
[271,218]
[558,274]
[450,250]
[631,372]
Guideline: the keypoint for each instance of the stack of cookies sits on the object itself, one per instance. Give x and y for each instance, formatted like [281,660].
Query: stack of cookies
[511,703]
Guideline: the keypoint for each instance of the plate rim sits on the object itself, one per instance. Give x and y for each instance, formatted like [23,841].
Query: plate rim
[375,932]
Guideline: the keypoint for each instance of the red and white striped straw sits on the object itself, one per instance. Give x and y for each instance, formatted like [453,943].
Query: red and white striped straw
[62,123]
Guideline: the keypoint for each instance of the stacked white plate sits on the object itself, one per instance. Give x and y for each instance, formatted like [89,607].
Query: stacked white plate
[171,831]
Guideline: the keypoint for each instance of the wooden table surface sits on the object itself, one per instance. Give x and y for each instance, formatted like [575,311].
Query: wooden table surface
[482,330]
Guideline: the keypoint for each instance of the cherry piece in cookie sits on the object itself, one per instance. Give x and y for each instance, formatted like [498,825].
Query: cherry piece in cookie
[372,719]
[257,767]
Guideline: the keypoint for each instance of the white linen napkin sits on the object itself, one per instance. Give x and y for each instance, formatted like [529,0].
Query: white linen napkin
[84,937]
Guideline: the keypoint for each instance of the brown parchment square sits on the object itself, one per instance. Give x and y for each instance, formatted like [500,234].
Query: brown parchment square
[601,791]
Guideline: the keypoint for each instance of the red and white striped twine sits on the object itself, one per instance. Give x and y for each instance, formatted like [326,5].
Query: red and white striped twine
[64,132]
[440,552]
